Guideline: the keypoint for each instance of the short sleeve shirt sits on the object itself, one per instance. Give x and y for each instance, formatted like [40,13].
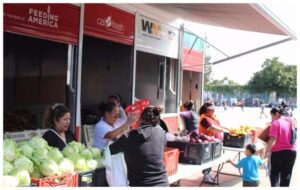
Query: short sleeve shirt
[101,129]
[250,165]
[281,129]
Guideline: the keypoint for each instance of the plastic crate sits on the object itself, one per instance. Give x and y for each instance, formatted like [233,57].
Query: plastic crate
[237,141]
[88,134]
[138,107]
[199,153]
[183,147]
[171,156]
[216,150]
[93,178]
[66,180]
[100,178]
[18,136]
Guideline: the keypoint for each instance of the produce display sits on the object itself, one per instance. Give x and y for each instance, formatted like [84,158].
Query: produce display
[35,159]
[198,139]
[243,129]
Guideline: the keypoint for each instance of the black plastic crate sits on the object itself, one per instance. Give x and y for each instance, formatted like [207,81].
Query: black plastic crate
[237,141]
[100,178]
[199,153]
[86,179]
[183,147]
[216,150]
[93,178]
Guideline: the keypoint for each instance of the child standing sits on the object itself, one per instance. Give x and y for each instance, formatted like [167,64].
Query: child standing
[250,164]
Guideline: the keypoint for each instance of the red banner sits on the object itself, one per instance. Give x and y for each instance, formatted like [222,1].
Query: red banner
[57,22]
[107,22]
[192,61]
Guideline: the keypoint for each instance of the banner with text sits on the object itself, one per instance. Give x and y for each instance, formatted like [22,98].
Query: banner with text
[157,38]
[57,22]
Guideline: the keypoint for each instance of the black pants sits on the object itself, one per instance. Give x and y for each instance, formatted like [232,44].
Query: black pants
[250,183]
[282,163]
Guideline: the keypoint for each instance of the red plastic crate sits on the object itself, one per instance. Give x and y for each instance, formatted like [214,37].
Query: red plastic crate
[65,180]
[138,107]
[171,158]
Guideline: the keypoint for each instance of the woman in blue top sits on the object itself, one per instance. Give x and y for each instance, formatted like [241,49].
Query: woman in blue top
[250,164]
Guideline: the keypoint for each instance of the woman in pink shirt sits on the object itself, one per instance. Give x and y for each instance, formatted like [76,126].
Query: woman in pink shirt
[282,149]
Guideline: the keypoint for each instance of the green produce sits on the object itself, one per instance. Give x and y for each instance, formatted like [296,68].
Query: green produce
[38,143]
[91,164]
[55,154]
[49,168]
[10,181]
[66,165]
[23,163]
[40,154]
[9,150]
[68,151]
[78,147]
[23,177]
[36,173]
[26,150]
[7,167]
[96,152]
[86,154]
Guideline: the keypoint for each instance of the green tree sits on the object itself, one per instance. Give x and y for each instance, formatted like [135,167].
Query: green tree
[275,76]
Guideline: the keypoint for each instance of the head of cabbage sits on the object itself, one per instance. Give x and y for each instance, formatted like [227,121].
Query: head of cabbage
[23,177]
[49,168]
[23,163]
[38,143]
[9,150]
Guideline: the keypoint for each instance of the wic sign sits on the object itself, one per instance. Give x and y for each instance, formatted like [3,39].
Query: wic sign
[157,38]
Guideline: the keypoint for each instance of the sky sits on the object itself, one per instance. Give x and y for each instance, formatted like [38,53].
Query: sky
[232,42]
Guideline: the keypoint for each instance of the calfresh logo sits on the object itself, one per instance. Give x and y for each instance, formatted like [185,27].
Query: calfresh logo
[109,23]
[151,27]
[44,18]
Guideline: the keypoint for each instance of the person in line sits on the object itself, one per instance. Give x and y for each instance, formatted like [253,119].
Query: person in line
[281,148]
[105,130]
[58,119]
[143,149]
[116,99]
[250,164]
[210,125]
[190,117]
[262,112]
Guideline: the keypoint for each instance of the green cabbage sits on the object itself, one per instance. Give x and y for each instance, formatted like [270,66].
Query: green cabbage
[40,154]
[68,151]
[36,173]
[10,181]
[7,167]
[86,154]
[38,143]
[66,165]
[23,163]
[78,147]
[9,150]
[23,177]
[49,168]
[55,154]
[26,150]
[96,153]
[79,163]
[91,164]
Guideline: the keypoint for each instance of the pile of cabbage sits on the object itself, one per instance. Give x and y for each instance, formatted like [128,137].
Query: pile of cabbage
[35,159]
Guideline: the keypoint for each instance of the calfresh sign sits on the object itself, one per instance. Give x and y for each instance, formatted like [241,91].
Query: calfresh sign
[156,37]
[107,22]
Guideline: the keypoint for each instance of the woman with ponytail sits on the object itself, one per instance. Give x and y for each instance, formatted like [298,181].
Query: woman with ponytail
[143,149]
[58,121]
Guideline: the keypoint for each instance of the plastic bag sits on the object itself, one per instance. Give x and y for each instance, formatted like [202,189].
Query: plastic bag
[116,170]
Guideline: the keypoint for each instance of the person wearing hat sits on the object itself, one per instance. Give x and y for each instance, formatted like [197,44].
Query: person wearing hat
[250,164]
[210,125]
